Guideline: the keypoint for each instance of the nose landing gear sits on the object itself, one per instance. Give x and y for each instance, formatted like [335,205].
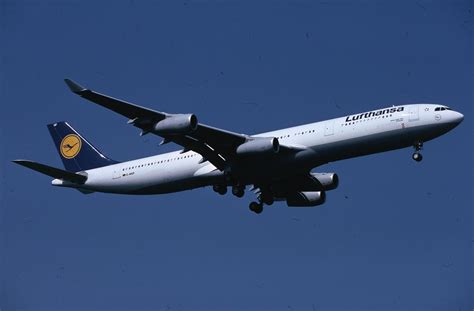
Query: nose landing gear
[417,155]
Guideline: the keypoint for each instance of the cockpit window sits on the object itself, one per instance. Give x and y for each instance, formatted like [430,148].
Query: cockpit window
[442,108]
[437,108]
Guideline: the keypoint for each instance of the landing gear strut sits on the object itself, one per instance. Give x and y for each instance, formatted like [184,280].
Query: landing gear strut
[417,155]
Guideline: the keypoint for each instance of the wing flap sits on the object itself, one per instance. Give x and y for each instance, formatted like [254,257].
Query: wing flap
[203,149]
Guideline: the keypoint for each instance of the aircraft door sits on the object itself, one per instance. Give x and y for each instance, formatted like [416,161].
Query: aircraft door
[117,174]
[413,114]
[328,128]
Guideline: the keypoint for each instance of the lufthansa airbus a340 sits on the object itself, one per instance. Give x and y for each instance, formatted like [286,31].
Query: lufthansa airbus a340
[277,165]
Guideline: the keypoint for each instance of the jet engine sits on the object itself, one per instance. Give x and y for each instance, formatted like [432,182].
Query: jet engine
[176,124]
[311,182]
[306,198]
[329,181]
[259,146]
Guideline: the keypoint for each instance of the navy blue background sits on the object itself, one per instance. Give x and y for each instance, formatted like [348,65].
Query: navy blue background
[395,235]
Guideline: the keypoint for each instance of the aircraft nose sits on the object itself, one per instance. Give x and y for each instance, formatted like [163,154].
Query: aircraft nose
[458,117]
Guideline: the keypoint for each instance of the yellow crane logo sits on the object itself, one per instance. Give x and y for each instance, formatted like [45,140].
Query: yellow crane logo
[70,146]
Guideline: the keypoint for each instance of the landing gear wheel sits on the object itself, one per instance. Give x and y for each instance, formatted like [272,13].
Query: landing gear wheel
[417,157]
[221,189]
[266,198]
[238,191]
[256,207]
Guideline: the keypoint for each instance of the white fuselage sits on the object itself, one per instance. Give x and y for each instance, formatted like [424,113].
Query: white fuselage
[315,144]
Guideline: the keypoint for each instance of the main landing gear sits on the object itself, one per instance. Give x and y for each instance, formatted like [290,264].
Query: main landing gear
[238,191]
[263,198]
[221,189]
[417,155]
[256,207]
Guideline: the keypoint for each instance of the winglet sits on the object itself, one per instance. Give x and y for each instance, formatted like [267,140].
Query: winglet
[74,87]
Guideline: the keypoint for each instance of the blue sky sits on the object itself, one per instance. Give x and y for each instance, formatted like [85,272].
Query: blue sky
[395,235]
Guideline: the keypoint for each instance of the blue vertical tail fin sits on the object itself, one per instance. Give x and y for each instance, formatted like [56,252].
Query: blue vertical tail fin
[74,150]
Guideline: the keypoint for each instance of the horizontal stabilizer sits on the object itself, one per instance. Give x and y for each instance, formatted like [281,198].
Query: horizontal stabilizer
[52,171]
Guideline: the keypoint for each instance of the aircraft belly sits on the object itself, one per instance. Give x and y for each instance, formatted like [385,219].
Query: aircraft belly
[272,167]
[166,179]
[178,182]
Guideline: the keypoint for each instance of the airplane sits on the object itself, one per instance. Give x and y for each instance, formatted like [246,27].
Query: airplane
[277,165]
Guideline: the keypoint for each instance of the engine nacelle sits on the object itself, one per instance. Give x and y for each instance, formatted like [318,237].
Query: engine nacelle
[306,198]
[259,146]
[329,181]
[176,124]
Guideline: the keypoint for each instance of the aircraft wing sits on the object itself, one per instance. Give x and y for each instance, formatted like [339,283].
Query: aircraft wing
[128,110]
[215,145]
